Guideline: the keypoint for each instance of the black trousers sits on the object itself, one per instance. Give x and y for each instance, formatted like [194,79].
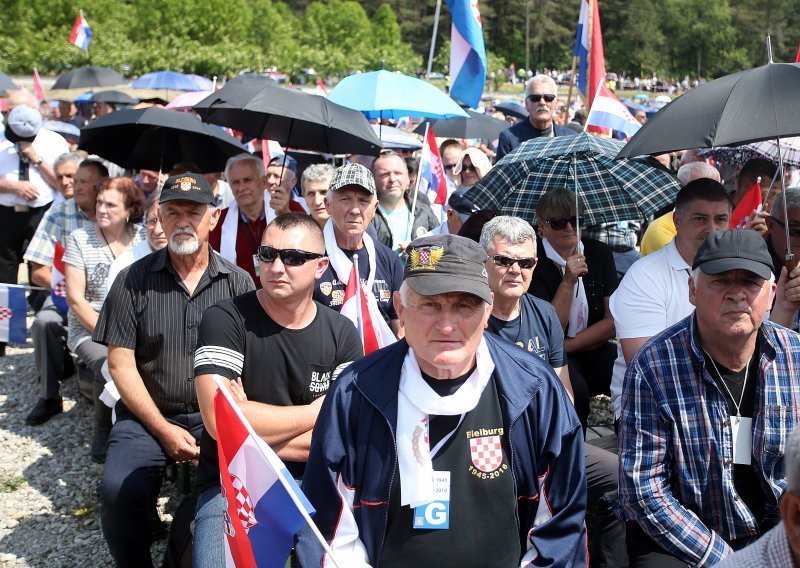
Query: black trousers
[590,375]
[18,229]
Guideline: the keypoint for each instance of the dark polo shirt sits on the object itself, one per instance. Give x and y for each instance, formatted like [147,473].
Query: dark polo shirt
[150,311]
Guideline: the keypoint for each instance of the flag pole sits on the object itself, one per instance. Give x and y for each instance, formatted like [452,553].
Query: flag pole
[571,83]
[416,187]
[433,38]
[359,314]
[269,455]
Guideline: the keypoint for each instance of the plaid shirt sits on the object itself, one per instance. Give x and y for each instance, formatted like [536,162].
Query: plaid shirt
[676,443]
[58,222]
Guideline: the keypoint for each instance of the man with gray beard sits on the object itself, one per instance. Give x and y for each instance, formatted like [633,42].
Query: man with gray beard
[149,322]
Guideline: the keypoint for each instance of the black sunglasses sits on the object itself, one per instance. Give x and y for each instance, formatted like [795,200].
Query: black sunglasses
[468,168]
[524,263]
[560,223]
[536,98]
[449,166]
[289,257]
[794,230]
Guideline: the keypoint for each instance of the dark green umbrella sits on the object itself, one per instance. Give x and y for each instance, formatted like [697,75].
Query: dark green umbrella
[611,189]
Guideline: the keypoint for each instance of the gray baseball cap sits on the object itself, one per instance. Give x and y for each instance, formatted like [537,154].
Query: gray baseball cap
[352,174]
[734,249]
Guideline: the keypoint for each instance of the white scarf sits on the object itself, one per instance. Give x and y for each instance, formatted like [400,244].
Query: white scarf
[579,310]
[343,266]
[230,228]
[416,401]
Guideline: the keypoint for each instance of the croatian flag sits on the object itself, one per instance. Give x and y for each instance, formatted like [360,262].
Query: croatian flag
[608,111]
[81,34]
[58,285]
[265,507]
[751,201]
[372,328]
[467,52]
[432,182]
[589,50]
[13,310]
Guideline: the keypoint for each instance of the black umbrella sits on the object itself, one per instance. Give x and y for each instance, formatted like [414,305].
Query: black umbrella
[476,126]
[6,84]
[756,104]
[512,108]
[113,97]
[291,118]
[250,79]
[88,77]
[156,139]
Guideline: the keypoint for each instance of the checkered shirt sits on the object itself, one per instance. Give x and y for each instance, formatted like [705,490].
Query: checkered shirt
[58,222]
[676,443]
[770,551]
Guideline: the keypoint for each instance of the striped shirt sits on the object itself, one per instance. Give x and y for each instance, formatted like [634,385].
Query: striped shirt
[58,222]
[770,551]
[150,311]
[676,443]
[87,251]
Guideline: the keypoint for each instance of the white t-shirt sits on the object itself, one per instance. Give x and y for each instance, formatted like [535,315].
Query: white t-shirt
[49,146]
[653,295]
[124,260]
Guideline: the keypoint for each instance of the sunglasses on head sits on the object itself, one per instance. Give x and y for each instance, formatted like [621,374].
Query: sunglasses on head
[536,98]
[289,257]
[560,223]
[507,261]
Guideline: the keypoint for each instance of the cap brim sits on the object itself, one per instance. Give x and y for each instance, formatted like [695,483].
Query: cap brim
[185,197]
[721,265]
[435,284]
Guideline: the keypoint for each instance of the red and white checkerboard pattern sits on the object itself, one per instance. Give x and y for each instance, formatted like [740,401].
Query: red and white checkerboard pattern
[244,506]
[5,313]
[487,453]
[60,289]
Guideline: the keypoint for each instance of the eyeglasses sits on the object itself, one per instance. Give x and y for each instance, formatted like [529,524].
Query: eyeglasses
[289,257]
[507,261]
[151,222]
[468,168]
[535,98]
[560,223]
[794,230]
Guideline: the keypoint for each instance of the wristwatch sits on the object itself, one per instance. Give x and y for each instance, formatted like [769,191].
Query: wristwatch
[39,161]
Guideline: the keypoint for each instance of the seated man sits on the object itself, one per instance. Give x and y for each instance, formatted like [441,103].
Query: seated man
[49,332]
[279,327]
[149,322]
[707,409]
[451,447]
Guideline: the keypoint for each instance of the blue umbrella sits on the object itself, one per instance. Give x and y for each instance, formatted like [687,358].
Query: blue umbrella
[381,94]
[168,80]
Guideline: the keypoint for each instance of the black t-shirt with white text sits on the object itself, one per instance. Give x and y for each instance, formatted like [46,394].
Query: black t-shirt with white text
[278,366]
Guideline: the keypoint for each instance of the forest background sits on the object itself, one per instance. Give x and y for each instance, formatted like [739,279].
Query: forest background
[667,38]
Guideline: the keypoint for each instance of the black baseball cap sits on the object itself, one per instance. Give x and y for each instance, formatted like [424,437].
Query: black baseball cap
[461,203]
[187,187]
[734,249]
[444,264]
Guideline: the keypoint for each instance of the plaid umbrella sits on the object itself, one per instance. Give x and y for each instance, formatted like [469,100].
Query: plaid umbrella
[611,190]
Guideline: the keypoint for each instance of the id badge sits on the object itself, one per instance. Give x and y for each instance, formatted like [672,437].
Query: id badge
[436,514]
[256,265]
[742,440]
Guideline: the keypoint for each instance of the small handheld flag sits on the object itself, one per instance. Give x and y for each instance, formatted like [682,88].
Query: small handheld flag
[265,506]
[431,171]
[13,310]
[372,328]
[38,91]
[750,201]
[58,286]
[81,34]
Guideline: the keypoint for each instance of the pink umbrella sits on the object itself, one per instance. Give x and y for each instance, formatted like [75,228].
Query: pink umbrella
[186,101]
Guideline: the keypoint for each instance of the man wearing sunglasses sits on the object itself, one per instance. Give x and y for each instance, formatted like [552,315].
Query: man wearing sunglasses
[541,100]
[281,328]
[150,322]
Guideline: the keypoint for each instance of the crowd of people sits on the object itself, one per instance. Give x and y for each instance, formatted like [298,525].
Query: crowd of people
[453,432]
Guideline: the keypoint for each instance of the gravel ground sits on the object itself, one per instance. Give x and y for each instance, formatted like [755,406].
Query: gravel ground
[49,511]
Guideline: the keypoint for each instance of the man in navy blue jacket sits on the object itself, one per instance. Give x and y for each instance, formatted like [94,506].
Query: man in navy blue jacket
[451,446]
[541,101]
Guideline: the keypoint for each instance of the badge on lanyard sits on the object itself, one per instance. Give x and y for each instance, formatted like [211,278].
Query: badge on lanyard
[742,429]
[256,265]
[436,514]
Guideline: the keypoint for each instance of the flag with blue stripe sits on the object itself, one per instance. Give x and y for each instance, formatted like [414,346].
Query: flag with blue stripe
[13,311]
[582,46]
[467,52]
